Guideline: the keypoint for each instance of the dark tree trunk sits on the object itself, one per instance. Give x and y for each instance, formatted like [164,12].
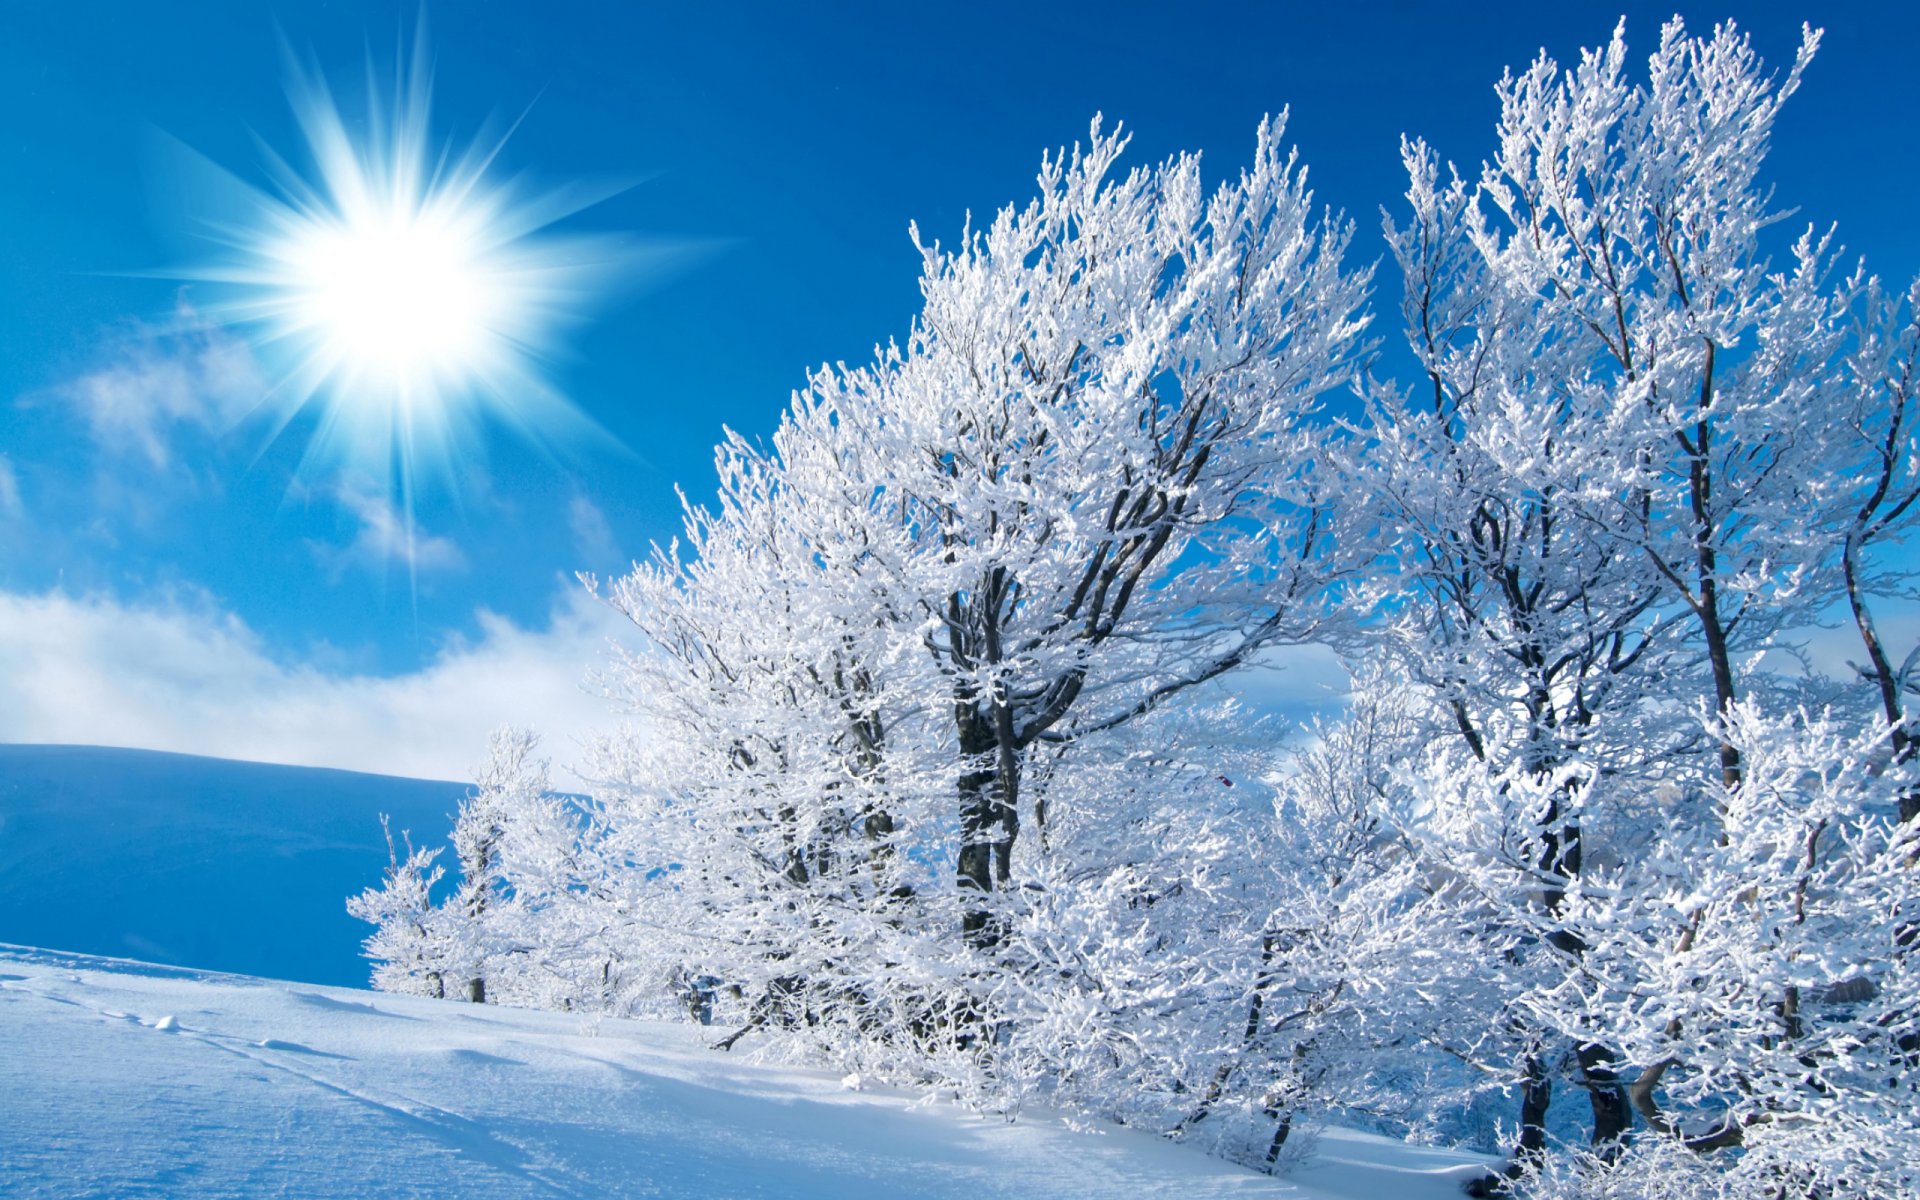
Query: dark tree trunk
[1562,854]
[1706,563]
[1720,658]
[977,810]
[1536,1093]
[1612,1115]
[1256,1005]
[1886,679]
[988,821]
[1280,1132]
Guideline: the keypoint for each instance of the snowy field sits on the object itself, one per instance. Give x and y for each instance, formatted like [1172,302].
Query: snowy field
[127,1080]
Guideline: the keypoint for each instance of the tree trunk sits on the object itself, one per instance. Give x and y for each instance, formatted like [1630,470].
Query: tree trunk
[1536,1093]
[1612,1114]
[977,808]
[988,824]
[1706,563]
[1562,854]
[1720,659]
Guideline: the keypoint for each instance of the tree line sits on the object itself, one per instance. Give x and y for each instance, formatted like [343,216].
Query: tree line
[927,770]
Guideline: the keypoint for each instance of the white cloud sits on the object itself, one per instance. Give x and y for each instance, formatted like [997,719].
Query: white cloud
[1292,683]
[193,678]
[385,536]
[188,375]
[592,536]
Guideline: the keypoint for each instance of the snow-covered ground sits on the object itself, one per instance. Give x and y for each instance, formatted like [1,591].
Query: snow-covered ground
[127,1080]
[199,862]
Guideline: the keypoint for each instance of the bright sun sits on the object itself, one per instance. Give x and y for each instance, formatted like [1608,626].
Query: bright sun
[402,299]
[401,289]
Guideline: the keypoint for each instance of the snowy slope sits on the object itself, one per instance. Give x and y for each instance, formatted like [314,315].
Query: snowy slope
[118,1079]
[200,862]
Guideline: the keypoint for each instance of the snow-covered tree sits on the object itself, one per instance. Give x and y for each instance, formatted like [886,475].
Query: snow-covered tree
[506,836]
[1880,496]
[1085,485]
[408,941]
[1635,217]
[1097,453]
[1352,983]
[1747,971]
[759,801]
[1535,634]
[1618,482]
[511,786]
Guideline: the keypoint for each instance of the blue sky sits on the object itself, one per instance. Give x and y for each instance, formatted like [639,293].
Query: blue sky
[169,580]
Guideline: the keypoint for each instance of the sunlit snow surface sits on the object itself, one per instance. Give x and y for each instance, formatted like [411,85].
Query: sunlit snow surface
[125,1080]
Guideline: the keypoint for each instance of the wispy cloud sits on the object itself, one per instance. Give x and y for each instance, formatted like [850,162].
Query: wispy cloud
[592,536]
[184,674]
[186,376]
[386,536]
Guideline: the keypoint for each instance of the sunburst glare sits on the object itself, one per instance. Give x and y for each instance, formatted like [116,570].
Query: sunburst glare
[400,290]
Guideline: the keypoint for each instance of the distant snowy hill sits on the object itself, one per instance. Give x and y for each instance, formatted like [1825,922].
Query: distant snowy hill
[199,862]
[133,1081]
